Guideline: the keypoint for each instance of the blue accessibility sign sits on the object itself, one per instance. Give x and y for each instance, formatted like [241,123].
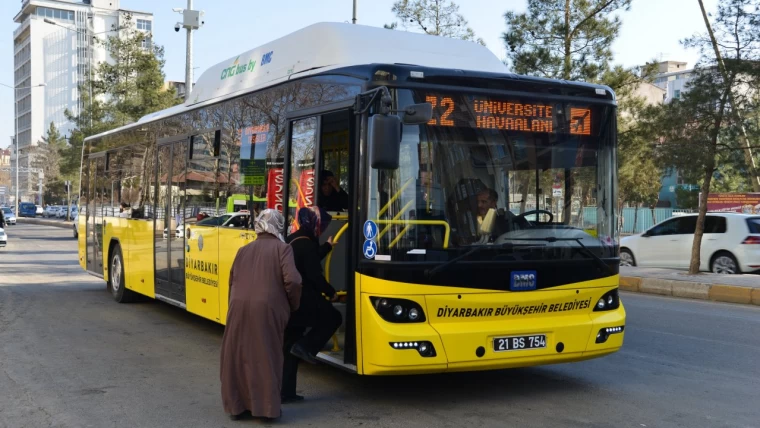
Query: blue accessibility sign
[369,249]
[370,229]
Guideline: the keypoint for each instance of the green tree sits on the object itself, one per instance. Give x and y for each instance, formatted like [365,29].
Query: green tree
[735,53]
[134,82]
[700,130]
[691,129]
[434,17]
[687,198]
[47,156]
[568,40]
[122,91]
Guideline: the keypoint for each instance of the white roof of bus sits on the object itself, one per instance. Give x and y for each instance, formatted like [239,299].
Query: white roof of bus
[324,46]
[338,45]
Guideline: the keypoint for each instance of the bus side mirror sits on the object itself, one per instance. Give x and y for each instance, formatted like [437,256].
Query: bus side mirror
[384,140]
[418,114]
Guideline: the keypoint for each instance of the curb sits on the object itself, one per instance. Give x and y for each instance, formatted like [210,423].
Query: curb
[42,222]
[691,290]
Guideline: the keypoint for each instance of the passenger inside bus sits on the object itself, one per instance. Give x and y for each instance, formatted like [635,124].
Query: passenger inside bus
[332,196]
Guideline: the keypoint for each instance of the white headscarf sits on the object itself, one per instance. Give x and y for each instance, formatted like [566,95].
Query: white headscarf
[270,221]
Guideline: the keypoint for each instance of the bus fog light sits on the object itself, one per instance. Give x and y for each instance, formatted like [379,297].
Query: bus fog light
[413,314]
[605,333]
[424,348]
[600,304]
[610,300]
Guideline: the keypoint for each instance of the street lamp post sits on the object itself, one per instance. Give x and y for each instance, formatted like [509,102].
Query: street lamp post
[18,150]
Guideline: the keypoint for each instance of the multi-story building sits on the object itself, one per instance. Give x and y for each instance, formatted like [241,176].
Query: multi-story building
[180,87]
[673,77]
[54,45]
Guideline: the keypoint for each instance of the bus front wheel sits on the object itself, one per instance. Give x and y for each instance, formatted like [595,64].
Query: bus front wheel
[116,284]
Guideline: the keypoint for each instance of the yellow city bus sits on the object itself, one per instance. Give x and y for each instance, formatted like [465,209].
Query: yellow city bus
[478,230]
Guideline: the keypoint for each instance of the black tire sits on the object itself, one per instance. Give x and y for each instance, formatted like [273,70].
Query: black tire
[725,263]
[626,253]
[116,283]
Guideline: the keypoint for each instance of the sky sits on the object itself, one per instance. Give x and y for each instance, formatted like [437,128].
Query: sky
[652,29]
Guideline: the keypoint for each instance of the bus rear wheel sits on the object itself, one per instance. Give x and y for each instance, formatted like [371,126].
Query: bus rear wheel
[116,283]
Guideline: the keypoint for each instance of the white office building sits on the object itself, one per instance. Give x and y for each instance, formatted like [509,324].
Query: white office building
[53,44]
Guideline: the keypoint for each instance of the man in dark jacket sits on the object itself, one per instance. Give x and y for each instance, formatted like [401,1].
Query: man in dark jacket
[315,311]
[2,219]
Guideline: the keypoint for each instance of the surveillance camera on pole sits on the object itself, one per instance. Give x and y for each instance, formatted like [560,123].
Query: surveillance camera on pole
[191,20]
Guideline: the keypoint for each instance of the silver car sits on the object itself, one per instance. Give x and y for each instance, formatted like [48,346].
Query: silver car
[10,218]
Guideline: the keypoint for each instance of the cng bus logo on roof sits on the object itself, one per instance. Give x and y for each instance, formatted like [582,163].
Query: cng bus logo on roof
[237,68]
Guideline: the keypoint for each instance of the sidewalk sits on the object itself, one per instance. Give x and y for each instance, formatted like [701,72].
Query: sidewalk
[46,222]
[705,286]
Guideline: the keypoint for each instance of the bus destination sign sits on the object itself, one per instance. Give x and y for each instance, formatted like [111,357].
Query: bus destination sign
[485,113]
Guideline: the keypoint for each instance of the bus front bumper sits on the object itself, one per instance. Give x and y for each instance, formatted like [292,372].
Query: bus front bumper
[472,344]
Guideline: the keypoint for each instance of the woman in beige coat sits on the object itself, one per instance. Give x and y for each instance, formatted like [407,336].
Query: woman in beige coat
[265,287]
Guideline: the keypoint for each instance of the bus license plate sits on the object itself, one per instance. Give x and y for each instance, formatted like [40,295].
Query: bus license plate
[516,343]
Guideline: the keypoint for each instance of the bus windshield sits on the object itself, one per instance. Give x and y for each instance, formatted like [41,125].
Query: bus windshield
[544,169]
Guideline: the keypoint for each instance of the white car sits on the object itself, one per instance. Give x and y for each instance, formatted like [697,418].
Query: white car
[50,211]
[3,238]
[237,220]
[10,218]
[730,244]
[40,210]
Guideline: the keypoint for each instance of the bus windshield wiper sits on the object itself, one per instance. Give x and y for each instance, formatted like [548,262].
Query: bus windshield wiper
[429,273]
[583,248]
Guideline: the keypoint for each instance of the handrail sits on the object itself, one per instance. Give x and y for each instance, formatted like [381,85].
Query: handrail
[342,230]
[445,225]
[395,196]
[400,235]
[396,217]
[329,256]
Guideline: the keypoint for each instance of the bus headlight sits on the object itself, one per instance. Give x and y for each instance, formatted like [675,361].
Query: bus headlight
[398,310]
[608,302]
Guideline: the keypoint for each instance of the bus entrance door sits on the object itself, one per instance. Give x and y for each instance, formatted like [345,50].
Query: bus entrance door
[170,222]
[319,176]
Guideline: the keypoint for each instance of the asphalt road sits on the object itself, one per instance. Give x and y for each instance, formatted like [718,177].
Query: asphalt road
[71,357]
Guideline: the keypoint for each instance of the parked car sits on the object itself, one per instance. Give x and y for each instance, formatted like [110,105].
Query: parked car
[238,219]
[730,244]
[3,238]
[62,212]
[40,210]
[50,211]
[27,209]
[10,218]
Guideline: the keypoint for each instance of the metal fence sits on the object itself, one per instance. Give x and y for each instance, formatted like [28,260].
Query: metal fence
[647,218]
